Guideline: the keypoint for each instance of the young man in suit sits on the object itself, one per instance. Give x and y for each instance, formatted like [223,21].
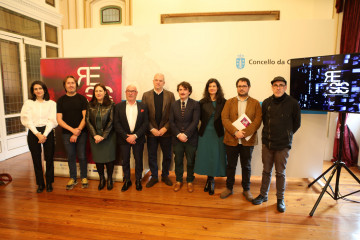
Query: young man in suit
[158,102]
[184,119]
[131,123]
[235,139]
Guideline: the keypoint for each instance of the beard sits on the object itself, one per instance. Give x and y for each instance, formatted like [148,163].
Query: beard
[243,94]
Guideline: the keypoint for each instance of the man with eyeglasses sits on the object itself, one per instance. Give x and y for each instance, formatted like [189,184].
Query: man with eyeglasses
[281,118]
[131,124]
[240,141]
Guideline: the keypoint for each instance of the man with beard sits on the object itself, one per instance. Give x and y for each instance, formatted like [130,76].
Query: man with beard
[235,139]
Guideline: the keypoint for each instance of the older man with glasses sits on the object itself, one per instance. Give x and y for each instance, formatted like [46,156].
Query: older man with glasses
[131,123]
[281,118]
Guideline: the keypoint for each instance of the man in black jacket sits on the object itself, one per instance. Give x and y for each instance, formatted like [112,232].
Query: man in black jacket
[131,123]
[281,118]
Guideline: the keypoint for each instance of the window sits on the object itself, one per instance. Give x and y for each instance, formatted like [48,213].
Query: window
[11,76]
[20,24]
[51,34]
[50,2]
[13,125]
[110,15]
[33,55]
[51,52]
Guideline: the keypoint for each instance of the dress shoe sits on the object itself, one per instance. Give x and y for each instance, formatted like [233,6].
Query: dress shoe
[166,180]
[190,187]
[259,200]
[281,205]
[152,182]
[40,189]
[101,183]
[227,192]
[177,186]
[110,184]
[138,185]
[49,187]
[127,184]
[248,195]
[212,187]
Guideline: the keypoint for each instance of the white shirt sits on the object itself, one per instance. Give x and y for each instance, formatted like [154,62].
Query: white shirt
[131,115]
[241,108]
[39,114]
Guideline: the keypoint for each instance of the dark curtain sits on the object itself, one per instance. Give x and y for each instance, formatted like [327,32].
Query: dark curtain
[350,43]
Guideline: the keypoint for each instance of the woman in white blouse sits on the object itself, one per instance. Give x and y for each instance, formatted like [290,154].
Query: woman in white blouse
[39,115]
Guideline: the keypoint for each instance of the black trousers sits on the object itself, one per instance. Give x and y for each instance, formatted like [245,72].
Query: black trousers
[233,153]
[138,149]
[35,150]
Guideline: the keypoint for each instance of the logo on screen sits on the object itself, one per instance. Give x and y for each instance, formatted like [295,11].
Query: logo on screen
[336,87]
[240,61]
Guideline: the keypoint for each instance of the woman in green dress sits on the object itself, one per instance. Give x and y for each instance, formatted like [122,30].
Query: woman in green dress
[99,122]
[211,156]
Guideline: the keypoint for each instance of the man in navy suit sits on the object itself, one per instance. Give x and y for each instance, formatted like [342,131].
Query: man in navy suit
[131,124]
[184,119]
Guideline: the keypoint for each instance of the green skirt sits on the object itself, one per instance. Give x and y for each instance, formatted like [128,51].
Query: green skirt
[104,151]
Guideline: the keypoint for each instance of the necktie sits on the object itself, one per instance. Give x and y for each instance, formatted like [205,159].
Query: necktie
[182,109]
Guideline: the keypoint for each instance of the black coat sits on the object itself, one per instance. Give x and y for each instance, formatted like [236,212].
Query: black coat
[107,116]
[282,118]
[189,122]
[207,109]
[121,124]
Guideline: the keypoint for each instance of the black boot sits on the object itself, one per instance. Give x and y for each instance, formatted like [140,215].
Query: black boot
[101,182]
[212,187]
[110,170]
[110,184]
[207,185]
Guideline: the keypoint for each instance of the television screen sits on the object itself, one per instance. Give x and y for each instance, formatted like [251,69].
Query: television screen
[327,83]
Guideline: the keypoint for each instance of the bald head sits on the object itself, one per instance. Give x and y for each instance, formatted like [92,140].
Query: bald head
[159,82]
[131,93]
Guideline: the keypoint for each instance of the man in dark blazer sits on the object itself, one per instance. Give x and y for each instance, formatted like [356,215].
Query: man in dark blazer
[184,119]
[158,102]
[131,123]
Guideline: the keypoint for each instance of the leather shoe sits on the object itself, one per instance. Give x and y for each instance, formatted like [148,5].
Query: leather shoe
[227,192]
[101,183]
[126,185]
[207,186]
[281,205]
[138,185]
[190,187]
[177,186]
[40,189]
[212,187]
[166,180]
[259,200]
[248,195]
[152,182]
[49,187]
[110,184]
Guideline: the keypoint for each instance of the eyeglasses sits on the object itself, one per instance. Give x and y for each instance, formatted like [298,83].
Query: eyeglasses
[278,86]
[131,91]
[242,86]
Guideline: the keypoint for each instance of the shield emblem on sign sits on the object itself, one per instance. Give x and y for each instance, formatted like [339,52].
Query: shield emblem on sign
[240,62]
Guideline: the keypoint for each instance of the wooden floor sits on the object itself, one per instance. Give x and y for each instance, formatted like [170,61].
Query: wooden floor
[160,213]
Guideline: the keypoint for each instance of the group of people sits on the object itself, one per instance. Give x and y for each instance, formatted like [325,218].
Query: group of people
[211,149]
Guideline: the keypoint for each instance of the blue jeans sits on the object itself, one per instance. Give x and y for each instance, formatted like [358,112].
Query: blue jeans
[152,146]
[78,148]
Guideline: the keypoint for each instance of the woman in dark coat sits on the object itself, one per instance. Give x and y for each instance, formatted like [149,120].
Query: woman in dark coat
[99,122]
[211,156]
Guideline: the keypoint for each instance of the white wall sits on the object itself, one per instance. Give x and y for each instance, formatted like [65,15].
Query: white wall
[197,52]
[147,12]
